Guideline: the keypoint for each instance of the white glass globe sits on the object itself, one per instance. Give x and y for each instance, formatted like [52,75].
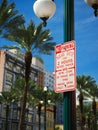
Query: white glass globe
[45,88]
[44,8]
[92,3]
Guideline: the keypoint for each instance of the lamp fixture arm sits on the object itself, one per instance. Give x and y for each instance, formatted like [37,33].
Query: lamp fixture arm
[96,12]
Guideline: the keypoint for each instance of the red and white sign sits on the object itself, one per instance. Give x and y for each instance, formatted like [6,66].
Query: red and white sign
[65,67]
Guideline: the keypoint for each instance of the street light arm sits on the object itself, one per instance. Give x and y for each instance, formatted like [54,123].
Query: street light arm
[96,12]
[44,21]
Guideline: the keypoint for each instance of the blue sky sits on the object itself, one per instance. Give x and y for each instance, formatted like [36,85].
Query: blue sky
[86,34]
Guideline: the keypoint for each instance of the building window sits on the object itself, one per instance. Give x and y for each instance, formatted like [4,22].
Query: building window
[9,77]
[3,125]
[16,113]
[37,118]
[18,69]
[8,126]
[28,127]
[7,87]
[14,126]
[22,71]
[4,112]
[30,118]
[9,65]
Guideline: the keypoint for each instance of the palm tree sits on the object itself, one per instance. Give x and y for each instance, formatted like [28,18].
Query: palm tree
[84,84]
[7,98]
[9,18]
[93,92]
[14,95]
[51,96]
[30,39]
[18,88]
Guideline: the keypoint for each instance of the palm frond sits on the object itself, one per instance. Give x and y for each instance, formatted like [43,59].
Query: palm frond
[9,18]
[10,47]
[46,47]
[87,85]
[3,5]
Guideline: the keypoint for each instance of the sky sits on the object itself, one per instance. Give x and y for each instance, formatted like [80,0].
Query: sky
[85,31]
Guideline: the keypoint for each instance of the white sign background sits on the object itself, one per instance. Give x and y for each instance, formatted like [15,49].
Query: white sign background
[65,67]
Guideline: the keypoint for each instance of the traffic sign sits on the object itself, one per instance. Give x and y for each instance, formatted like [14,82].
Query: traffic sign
[65,67]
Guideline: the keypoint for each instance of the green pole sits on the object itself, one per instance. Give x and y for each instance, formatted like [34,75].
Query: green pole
[45,112]
[68,20]
[69,108]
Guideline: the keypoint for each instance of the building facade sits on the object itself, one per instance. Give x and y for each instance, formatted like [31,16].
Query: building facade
[48,79]
[12,66]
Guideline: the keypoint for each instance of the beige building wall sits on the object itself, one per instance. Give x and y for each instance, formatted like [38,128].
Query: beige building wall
[40,68]
[2,63]
[37,63]
[50,118]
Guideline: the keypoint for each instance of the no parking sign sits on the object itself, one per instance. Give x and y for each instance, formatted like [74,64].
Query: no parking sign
[65,67]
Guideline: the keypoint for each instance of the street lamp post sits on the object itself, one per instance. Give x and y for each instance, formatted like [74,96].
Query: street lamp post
[45,98]
[69,97]
[69,107]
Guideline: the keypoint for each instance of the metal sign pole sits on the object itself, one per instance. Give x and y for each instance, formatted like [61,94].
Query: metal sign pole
[69,118]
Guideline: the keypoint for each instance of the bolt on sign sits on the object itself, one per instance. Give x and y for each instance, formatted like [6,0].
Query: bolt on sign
[65,67]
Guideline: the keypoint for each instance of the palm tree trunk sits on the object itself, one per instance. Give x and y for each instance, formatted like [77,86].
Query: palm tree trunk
[54,107]
[39,115]
[81,108]
[7,114]
[94,113]
[28,58]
